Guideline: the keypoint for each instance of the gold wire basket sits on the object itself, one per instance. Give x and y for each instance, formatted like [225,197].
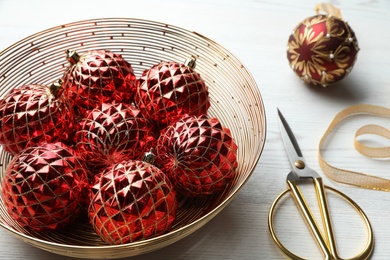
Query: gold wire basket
[235,100]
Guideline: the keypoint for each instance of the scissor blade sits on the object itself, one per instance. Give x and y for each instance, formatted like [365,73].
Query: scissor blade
[289,140]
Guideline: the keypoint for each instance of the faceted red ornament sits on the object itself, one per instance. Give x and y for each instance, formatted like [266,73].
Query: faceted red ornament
[169,90]
[131,201]
[111,133]
[96,77]
[322,49]
[32,114]
[43,187]
[198,154]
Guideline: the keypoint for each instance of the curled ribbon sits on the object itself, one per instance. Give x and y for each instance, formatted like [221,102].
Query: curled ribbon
[351,177]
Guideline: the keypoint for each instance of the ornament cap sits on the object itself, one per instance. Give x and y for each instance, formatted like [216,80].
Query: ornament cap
[56,87]
[149,157]
[191,62]
[72,56]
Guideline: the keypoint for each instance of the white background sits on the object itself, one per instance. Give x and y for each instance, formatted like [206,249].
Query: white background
[256,31]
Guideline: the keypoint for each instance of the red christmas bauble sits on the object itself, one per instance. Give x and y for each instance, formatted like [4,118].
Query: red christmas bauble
[322,49]
[98,76]
[131,201]
[43,187]
[198,154]
[111,133]
[32,114]
[169,90]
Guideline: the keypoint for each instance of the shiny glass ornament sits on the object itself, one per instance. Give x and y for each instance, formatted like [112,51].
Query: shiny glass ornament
[111,133]
[32,114]
[98,76]
[169,90]
[43,187]
[131,201]
[198,154]
[322,49]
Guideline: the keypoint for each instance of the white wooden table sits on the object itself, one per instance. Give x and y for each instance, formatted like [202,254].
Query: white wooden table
[257,32]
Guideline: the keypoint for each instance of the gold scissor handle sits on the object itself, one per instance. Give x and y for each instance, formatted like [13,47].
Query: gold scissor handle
[327,244]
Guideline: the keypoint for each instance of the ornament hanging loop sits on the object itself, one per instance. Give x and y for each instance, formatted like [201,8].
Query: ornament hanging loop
[329,10]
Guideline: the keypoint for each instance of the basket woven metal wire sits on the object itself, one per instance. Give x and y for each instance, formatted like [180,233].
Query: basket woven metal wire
[235,100]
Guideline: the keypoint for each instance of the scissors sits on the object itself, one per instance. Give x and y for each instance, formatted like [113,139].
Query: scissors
[301,172]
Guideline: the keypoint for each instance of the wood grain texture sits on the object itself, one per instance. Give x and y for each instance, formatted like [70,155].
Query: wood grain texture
[256,31]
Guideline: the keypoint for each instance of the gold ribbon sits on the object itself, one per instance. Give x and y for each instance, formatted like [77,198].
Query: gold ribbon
[351,177]
[328,9]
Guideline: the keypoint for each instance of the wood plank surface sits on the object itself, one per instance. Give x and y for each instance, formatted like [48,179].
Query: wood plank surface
[256,31]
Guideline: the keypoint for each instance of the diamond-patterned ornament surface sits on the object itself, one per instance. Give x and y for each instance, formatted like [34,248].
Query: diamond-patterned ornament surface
[169,90]
[111,133]
[98,76]
[131,201]
[32,114]
[44,187]
[198,154]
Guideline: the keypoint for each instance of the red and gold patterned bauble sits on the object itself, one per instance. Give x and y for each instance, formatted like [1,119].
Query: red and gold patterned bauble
[198,154]
[44,187]
[323,48]
[32,114]
[169,90]
[113,132]
[131,201]
[98,76]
